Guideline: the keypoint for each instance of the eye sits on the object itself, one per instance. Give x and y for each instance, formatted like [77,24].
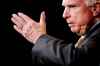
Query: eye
[71,6]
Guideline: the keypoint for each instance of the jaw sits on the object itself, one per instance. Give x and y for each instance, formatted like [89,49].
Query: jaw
[75,29]
[80,30]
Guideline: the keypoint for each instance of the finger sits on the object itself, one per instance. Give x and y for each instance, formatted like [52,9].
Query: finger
[25,17]
[17,29]
[19,19]
[29,20]
[16,22]
[43,22]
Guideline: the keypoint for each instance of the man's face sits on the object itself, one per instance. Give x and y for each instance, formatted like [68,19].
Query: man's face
[76,13]
[98,7]
[97,10]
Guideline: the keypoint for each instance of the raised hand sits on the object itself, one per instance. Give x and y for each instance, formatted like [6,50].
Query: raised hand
[29,28]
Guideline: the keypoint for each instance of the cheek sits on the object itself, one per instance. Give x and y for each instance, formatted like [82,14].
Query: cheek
[80,17]
[77,17]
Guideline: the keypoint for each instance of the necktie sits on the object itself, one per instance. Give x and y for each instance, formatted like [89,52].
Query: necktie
[79,42]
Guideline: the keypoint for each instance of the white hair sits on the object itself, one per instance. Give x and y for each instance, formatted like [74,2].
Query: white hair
[91,2]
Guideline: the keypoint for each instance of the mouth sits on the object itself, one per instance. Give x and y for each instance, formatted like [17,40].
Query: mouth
[71,25]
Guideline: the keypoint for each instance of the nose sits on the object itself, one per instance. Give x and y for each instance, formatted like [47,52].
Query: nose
[66,13]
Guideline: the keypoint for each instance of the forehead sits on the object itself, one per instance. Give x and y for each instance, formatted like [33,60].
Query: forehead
[69,2]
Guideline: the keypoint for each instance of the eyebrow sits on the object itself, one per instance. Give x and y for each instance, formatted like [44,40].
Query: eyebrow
[62,4]
[70,5]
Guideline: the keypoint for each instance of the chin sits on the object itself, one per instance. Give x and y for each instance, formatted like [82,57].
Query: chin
[74,30]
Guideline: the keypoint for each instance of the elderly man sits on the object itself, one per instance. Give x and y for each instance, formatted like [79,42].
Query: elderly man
[81,16]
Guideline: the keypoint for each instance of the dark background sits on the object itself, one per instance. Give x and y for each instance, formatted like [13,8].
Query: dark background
[16,49]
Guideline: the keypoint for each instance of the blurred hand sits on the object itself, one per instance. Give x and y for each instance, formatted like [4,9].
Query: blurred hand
[29,28]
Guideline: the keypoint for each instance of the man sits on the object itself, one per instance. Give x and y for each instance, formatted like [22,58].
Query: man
[98,10]
[96,7]
[81,18]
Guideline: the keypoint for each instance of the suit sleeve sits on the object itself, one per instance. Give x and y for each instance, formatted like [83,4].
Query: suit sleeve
[49,50]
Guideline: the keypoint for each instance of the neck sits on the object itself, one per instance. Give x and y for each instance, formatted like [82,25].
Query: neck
[82,30]
[98,18]
[85,28]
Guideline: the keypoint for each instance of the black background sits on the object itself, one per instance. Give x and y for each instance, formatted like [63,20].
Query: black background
[16,49]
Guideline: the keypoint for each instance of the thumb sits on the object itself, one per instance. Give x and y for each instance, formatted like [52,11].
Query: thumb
[43,22]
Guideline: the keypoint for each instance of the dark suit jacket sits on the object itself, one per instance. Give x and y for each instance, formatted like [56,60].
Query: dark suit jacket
[50,50]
